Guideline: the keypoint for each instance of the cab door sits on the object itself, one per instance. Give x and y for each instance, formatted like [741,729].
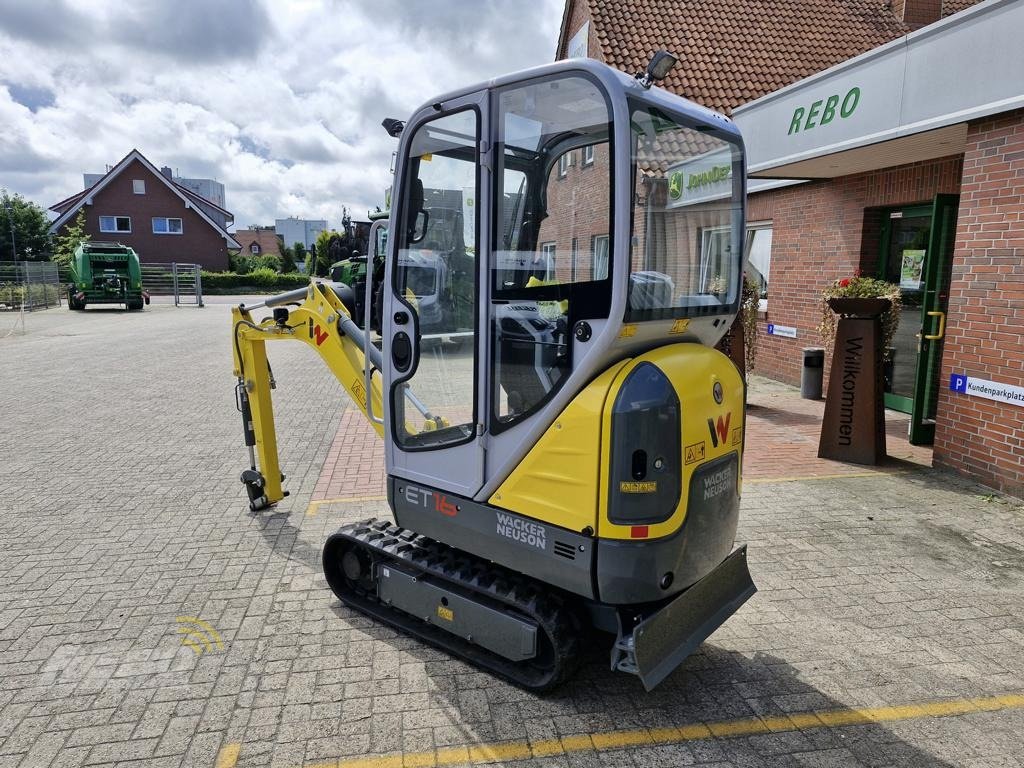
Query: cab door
[431,322]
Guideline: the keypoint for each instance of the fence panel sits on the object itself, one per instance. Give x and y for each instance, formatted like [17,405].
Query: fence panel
[34,284]
[182,281]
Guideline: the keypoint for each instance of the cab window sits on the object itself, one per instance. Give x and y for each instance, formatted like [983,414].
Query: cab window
[547,203]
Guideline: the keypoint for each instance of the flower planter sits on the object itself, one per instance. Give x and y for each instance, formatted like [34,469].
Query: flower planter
[853,429]
[858,307]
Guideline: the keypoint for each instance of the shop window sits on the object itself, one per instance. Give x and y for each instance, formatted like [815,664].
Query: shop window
[757,257]
[115,224]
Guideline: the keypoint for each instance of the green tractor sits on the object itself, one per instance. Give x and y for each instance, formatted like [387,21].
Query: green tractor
[106,273]
[351,270]
[434,270]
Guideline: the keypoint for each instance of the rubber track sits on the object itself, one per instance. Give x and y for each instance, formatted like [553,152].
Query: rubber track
[558,638]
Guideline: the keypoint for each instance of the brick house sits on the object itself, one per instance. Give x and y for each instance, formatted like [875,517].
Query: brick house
[258,242]
[875,131]
[135,204]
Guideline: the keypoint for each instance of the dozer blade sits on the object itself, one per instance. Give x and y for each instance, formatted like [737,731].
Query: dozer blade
[660,642]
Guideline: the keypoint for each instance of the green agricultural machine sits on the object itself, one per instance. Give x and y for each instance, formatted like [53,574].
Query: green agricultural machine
[106,273]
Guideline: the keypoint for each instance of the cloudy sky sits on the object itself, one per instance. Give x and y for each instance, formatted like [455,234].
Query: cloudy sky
[281,100]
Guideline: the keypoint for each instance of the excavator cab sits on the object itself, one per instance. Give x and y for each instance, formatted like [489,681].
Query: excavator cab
[563,443]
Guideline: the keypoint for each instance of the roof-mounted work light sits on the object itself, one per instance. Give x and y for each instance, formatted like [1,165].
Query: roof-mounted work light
[661,64]
[393,127]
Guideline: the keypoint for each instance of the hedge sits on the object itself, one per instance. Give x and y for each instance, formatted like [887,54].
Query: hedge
[261,281]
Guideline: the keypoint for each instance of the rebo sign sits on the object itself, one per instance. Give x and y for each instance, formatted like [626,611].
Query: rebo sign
[806,119]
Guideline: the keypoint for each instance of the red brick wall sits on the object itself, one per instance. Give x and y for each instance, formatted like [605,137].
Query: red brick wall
[979,437]
[577,207]
[199,243]
[823,231]
[578,16]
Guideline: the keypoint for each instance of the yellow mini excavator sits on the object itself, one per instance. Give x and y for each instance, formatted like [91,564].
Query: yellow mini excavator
[563,442]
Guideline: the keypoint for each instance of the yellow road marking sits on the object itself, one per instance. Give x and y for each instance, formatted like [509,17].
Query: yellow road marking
[801,478]
[314,506]
[228,755]
[480,754]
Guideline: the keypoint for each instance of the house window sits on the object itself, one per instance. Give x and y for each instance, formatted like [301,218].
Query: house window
[544,269]
[758,255]
[588,154]
[164,226]
[115,224]
[563,164]
[139,186]
[574,252]
[254,249]
[599,255]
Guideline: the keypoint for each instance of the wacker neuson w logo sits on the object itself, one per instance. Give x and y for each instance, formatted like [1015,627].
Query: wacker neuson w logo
[720,430]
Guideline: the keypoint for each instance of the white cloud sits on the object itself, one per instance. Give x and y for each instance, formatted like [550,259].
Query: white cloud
[281,101]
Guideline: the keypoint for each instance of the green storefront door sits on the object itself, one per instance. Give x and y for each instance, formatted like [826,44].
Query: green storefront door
[917,249]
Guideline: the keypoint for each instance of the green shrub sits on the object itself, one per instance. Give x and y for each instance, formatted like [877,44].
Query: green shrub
[259,281]
[39,295]
[269,261]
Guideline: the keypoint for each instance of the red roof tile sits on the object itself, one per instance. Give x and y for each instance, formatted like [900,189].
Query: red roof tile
[733,51]
[949,7]
[266,239]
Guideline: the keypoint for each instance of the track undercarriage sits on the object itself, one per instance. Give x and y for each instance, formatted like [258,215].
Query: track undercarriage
[514,627]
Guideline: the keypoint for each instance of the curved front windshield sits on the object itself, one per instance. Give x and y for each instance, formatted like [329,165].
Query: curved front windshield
[687,246]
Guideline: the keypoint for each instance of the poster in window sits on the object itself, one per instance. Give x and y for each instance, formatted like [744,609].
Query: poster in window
[912,269]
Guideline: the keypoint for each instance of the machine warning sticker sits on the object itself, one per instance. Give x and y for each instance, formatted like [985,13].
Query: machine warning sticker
[524,531]
[647,486]
[627,331]
[737,435]
[694,453]
[445,613]
[679,326]
[359,392]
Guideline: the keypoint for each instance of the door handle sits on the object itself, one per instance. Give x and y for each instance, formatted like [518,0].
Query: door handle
[401,351]
[942,326]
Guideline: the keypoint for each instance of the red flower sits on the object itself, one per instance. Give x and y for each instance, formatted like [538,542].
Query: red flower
[844,282]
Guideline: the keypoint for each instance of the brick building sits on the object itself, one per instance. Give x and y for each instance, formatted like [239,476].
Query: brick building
[884,139]
[259,241]
[136,204]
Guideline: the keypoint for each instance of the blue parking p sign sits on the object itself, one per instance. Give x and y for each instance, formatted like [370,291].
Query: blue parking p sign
[958,382]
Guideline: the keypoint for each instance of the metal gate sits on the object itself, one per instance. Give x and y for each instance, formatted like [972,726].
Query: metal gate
[29,285]
[182,281]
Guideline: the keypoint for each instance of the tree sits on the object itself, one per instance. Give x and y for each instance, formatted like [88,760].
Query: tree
[287,255]
[31,229]
[69,239]
[330,247]
[298,255]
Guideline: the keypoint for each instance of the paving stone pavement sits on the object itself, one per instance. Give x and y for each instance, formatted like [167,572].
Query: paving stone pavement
[119,457]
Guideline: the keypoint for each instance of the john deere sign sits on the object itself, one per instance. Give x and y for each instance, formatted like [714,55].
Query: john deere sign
[699,180]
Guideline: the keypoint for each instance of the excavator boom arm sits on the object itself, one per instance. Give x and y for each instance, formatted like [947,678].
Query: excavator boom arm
[317,316]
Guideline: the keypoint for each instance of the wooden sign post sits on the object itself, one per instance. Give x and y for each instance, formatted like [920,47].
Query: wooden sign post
[853,429]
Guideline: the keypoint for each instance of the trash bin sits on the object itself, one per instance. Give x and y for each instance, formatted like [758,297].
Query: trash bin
[813,371]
